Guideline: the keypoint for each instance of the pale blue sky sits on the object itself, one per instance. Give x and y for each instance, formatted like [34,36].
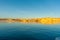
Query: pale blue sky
[29,8]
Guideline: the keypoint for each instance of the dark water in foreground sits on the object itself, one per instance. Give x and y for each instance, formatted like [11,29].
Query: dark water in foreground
[18,31]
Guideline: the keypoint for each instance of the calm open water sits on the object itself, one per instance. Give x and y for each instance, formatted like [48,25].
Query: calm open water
[19,31]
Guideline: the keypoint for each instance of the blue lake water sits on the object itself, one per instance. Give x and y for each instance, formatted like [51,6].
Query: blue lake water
[19,31]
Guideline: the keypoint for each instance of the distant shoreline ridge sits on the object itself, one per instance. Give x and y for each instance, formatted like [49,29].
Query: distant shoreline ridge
[47,20]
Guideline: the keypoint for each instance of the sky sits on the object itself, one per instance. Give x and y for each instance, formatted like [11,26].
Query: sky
[29,8]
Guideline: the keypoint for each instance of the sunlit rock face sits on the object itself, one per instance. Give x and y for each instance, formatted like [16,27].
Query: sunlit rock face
[47,20]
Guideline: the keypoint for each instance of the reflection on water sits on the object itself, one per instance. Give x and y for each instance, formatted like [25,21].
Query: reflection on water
[18,31]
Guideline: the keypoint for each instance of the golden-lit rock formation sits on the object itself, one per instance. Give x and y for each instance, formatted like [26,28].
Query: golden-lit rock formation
[47,20]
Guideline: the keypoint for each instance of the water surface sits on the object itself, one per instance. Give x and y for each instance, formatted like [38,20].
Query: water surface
[20,31]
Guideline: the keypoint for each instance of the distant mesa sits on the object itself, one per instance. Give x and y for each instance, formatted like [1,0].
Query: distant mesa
[47,20]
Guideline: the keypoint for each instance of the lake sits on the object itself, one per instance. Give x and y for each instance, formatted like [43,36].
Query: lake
[20,31]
